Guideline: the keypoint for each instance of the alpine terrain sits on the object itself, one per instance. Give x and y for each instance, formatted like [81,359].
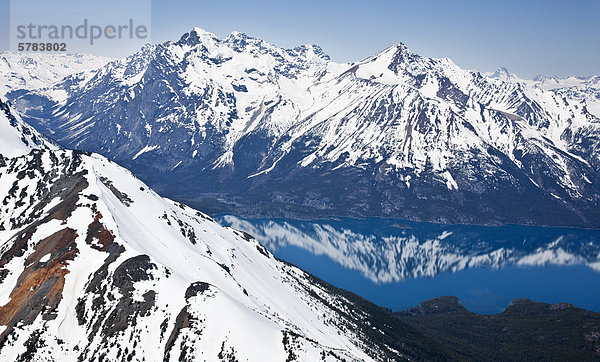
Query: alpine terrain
[96,266]
[240,125]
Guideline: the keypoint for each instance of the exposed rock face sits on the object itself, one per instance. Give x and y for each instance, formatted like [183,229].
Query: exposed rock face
[40,286]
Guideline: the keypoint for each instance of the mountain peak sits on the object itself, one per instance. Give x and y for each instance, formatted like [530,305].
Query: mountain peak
[201,32]
[401,47]
[312,48]
[237,34]
[504,74]
[397,57]
[198,35]
[541,78]
[398,48]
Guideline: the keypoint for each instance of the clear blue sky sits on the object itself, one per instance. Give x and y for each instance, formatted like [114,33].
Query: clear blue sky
[529,37]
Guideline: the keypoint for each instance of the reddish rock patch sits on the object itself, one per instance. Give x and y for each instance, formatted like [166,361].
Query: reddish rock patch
[39,287]
[96,230]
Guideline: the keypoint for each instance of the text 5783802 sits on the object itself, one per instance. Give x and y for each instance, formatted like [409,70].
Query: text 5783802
[42,47]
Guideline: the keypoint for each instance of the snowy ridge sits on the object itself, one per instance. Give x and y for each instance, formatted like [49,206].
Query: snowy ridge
[18,138]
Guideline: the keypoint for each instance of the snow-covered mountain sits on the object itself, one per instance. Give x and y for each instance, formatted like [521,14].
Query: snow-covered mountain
[237,124]
[392,256]
[96,266]
[20,71]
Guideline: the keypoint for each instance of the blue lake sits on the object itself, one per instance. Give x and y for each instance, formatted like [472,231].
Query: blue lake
[398,264]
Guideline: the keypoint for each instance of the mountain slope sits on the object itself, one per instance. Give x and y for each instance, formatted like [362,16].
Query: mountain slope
[96,266]
[239,124]
[18,138]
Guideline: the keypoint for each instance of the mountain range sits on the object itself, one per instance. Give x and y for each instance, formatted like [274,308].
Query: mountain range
[239,125]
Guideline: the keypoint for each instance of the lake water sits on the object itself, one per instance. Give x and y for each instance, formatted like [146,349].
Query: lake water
[398,264]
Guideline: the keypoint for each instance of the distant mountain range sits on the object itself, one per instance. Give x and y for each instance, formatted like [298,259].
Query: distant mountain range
[239,125]
[19,71]
[585,90]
